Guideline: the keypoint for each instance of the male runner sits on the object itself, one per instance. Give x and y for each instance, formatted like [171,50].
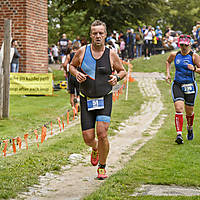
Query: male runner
[97,64]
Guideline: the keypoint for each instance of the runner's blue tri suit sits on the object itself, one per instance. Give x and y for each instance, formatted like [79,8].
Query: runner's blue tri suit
[95,92]
[184,87]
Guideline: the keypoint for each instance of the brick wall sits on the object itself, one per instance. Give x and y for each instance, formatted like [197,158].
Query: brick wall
[30,29]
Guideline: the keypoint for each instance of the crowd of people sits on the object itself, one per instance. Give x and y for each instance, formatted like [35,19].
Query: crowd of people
[144,41]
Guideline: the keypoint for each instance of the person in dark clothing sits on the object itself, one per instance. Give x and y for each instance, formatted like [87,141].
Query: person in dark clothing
[16,56]
[129,43]
[73,85]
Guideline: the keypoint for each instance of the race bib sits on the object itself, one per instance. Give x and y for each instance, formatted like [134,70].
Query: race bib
[188,88]
[96,103]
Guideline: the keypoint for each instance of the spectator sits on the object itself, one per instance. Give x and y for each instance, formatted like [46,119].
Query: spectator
[55,54]
[129,43]
[16,56]
[122,48]
[148,37]
[139,42]
[63,42]
[158,34]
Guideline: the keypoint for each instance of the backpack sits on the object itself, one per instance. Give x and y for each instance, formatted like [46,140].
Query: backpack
[137,36]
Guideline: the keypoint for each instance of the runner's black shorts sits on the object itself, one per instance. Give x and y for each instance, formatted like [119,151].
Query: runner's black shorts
[72,85]
[179,95]
[89,118]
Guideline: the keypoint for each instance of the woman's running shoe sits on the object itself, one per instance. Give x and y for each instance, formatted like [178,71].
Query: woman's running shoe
[190,134]
[179,139]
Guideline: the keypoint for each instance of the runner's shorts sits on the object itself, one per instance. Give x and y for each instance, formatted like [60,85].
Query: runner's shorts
[180,94]
[89,118]
[73,85]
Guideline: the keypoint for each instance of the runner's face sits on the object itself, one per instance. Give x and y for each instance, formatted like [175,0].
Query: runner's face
[98,35]
[184,48]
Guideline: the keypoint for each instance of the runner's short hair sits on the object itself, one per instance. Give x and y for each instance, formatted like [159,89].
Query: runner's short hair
[99,23]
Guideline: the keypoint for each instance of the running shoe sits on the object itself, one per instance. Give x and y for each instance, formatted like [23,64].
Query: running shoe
[190,134]
[101,173]
[94,157]
[179,139]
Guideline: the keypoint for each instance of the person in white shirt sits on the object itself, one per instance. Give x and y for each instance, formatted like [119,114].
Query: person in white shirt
[148,37]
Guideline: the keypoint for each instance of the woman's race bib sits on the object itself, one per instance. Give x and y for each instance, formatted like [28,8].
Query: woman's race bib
[188,88]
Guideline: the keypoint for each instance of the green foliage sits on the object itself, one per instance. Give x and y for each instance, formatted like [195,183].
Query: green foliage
[181,15]
[61,21]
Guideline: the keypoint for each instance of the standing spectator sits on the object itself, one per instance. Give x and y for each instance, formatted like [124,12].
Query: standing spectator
[139,42]
[133,44]
[77,39]
[167,31]
[121,35]
[148,37]
[122,48]
[154,41]
[143,29]
[158,33]
[16,56]
[129,43]
[55,54]
[63,42]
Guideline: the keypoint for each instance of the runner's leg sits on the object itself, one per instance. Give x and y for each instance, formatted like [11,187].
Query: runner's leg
[103,143]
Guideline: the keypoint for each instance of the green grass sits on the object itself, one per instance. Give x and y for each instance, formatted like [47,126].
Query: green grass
[22,170]
[160,160]
[29,112]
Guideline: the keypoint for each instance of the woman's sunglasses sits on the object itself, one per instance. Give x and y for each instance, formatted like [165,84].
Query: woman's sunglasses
[184,45]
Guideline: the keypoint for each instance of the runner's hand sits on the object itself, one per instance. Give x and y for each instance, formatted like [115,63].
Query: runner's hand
[80,77]
[113,80]
[191,67]
[168,79]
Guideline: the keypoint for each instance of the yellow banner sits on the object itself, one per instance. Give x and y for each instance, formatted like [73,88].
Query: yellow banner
[31,83]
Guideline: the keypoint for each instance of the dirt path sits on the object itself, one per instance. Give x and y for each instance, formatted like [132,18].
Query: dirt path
[78,179]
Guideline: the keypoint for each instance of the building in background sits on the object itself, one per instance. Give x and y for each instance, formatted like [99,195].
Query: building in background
[30,29]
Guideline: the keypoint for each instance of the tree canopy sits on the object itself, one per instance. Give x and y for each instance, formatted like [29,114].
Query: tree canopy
[74,17]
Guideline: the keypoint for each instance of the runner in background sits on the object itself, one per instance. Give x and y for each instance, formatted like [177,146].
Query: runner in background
[184,87]
[73,85]
[96,79]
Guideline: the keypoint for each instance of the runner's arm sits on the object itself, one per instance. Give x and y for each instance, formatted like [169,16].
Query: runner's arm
[66,63]
[170,59]
[118,67]
[196,61]
[75,63]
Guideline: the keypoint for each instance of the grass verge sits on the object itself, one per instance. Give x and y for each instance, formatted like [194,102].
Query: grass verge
[22,170]
[160,160]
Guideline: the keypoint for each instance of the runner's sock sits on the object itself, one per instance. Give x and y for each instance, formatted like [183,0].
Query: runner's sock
[179,122]
[102,166]
[190,119]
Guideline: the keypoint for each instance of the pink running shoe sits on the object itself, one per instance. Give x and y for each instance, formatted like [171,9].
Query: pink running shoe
[101,174]
[94,157]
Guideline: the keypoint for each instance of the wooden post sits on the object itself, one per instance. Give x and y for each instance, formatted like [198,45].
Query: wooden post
[1,81]
[6,67]
[1,92]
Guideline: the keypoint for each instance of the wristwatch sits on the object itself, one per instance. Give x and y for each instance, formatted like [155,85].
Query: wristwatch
[118,78]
